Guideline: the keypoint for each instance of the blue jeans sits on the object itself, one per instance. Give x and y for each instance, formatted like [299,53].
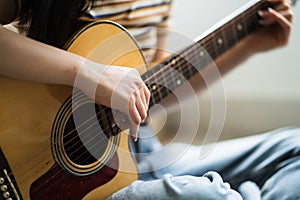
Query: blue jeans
[271,160]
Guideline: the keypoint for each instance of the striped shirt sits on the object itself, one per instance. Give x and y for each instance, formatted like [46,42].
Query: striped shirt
[142,18]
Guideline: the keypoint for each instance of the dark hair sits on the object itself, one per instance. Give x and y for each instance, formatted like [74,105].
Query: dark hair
[51,21]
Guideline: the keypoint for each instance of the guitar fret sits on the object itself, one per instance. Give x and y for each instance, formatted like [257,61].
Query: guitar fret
[199,55]
[173,74]
[179,67]
[231,35]
[215,51]
[204,59]
[158,90]
[155,96]
[228,37]
[190,73]
[165,92]
[234,37]
[253,21]
[242,26]
[223,43]
[192,63]
[147,75]
[167,85]
[173,78]
[82,157]
[163,79]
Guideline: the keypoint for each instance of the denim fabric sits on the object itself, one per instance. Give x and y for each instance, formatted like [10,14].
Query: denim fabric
[271,161]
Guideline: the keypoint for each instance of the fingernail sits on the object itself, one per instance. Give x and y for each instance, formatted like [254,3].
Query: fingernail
[135,138]
[260,13]
[270,9]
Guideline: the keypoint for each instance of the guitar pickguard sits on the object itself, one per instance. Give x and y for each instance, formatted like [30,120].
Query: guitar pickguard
[59,184]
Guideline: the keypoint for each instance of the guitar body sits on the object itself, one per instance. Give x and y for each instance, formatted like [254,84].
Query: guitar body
[43,160]
[56,143]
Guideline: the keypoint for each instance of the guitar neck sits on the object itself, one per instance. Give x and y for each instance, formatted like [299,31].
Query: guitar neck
[177,69]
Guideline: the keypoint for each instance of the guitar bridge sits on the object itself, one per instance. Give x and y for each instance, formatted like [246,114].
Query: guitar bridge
[8,187]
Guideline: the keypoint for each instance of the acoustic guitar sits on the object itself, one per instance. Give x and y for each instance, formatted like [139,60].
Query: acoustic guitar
[56,143]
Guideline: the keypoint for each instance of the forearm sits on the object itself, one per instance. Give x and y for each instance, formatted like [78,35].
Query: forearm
[208,75]
[277,24]
[26,59]
[224,64]
[235,56]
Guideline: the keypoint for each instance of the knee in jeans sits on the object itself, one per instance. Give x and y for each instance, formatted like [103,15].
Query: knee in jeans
[289,136]
[284,184]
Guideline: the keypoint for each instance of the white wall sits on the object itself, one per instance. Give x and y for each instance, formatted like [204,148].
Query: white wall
[264,92]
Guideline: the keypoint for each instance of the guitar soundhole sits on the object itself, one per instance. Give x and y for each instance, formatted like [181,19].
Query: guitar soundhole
[91,145]
[81,143]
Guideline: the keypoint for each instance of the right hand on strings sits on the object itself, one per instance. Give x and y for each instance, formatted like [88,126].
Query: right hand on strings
[119,88]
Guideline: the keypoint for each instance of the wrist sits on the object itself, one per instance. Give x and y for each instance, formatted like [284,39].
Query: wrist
[73,70]
[86,76]
[248,46]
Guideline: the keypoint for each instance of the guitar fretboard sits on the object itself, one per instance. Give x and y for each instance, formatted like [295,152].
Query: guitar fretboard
[177,69]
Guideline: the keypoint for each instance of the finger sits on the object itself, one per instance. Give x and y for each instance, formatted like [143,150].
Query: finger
[134,114]
[269,17]
[135,120]
[147,95]
[134,131]
[282,6]
[266,18]
[125,123]
[140,105]
[281,19]
[288,14]
[121,120]
[143,98]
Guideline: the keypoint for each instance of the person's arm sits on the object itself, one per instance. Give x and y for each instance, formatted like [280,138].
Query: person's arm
[24,58]
[277,24]
[27,59]
[275,33]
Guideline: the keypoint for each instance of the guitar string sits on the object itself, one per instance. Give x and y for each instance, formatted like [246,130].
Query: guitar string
[166,74]
[60,179]
[60,175]
[210,46]
[160,70]
[154,92]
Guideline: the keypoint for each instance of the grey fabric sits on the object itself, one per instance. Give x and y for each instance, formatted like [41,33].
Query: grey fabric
[263,166]
[250,191]
[179,187]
